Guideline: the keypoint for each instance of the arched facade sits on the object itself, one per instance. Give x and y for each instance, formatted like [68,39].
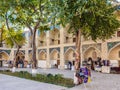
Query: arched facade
[91,52]
[57,46]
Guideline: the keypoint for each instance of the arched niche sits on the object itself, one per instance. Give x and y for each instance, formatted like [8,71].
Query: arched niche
[54,37]
[42,39]
[42,55]
[54,55]
[91,52]
[4,56]
[69,54]
[69,37]
[54,58]
[114,53]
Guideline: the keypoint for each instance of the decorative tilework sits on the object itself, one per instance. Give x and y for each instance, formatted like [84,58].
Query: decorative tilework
[85,47]
[111,45]
[51,49]
[42,50]
[7,51]
[66,48]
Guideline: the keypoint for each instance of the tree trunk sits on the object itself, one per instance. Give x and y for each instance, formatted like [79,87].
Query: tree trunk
[15,59]
[77,51]
[34,61]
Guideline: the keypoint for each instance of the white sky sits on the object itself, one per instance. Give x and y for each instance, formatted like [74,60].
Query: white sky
[118,0]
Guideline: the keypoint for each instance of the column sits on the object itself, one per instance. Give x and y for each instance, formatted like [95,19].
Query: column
[26,55]
[62,62]
[104,50]
[48,52]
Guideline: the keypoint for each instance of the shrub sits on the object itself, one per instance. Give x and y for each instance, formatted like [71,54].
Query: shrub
[47,78]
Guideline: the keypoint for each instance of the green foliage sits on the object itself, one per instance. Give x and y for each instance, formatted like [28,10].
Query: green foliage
[15,37]
[95,19]
[47,78]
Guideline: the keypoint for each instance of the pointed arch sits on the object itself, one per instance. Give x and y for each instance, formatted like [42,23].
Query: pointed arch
[113,47]
[4,56]
[69,54]
[21,55]
[114,53]
[55,36]
[42,39]
[42,55]
[54,55]
[91,52]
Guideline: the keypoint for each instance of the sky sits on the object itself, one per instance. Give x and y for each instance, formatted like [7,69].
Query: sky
[118,0]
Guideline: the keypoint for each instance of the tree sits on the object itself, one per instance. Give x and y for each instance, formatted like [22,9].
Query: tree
[32,14]
[13,33]
[86,18]
[15,38]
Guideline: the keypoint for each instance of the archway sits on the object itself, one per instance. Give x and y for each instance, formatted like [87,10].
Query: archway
[42,39]
[69,58]
[21,55]
[69,37]
[4,57]
[69,55]
[42,55]
[54,58]
[91,52]
[114,53]
[54,37]
[42,62]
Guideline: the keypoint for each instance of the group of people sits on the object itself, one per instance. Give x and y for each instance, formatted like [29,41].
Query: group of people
[20,62]
[96,63]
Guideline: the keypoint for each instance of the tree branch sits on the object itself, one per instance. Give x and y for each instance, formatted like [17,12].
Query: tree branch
[37,24]
[29,28]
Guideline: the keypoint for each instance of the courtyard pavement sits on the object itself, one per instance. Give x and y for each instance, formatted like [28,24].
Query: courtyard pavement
[100,81]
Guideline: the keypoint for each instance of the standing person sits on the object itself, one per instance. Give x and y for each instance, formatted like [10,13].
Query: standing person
[90,63]
[70,65]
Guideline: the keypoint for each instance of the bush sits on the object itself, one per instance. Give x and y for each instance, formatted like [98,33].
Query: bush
[47,78]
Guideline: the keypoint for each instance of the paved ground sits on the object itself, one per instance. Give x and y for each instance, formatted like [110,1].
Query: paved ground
[100,81]
[14,83]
